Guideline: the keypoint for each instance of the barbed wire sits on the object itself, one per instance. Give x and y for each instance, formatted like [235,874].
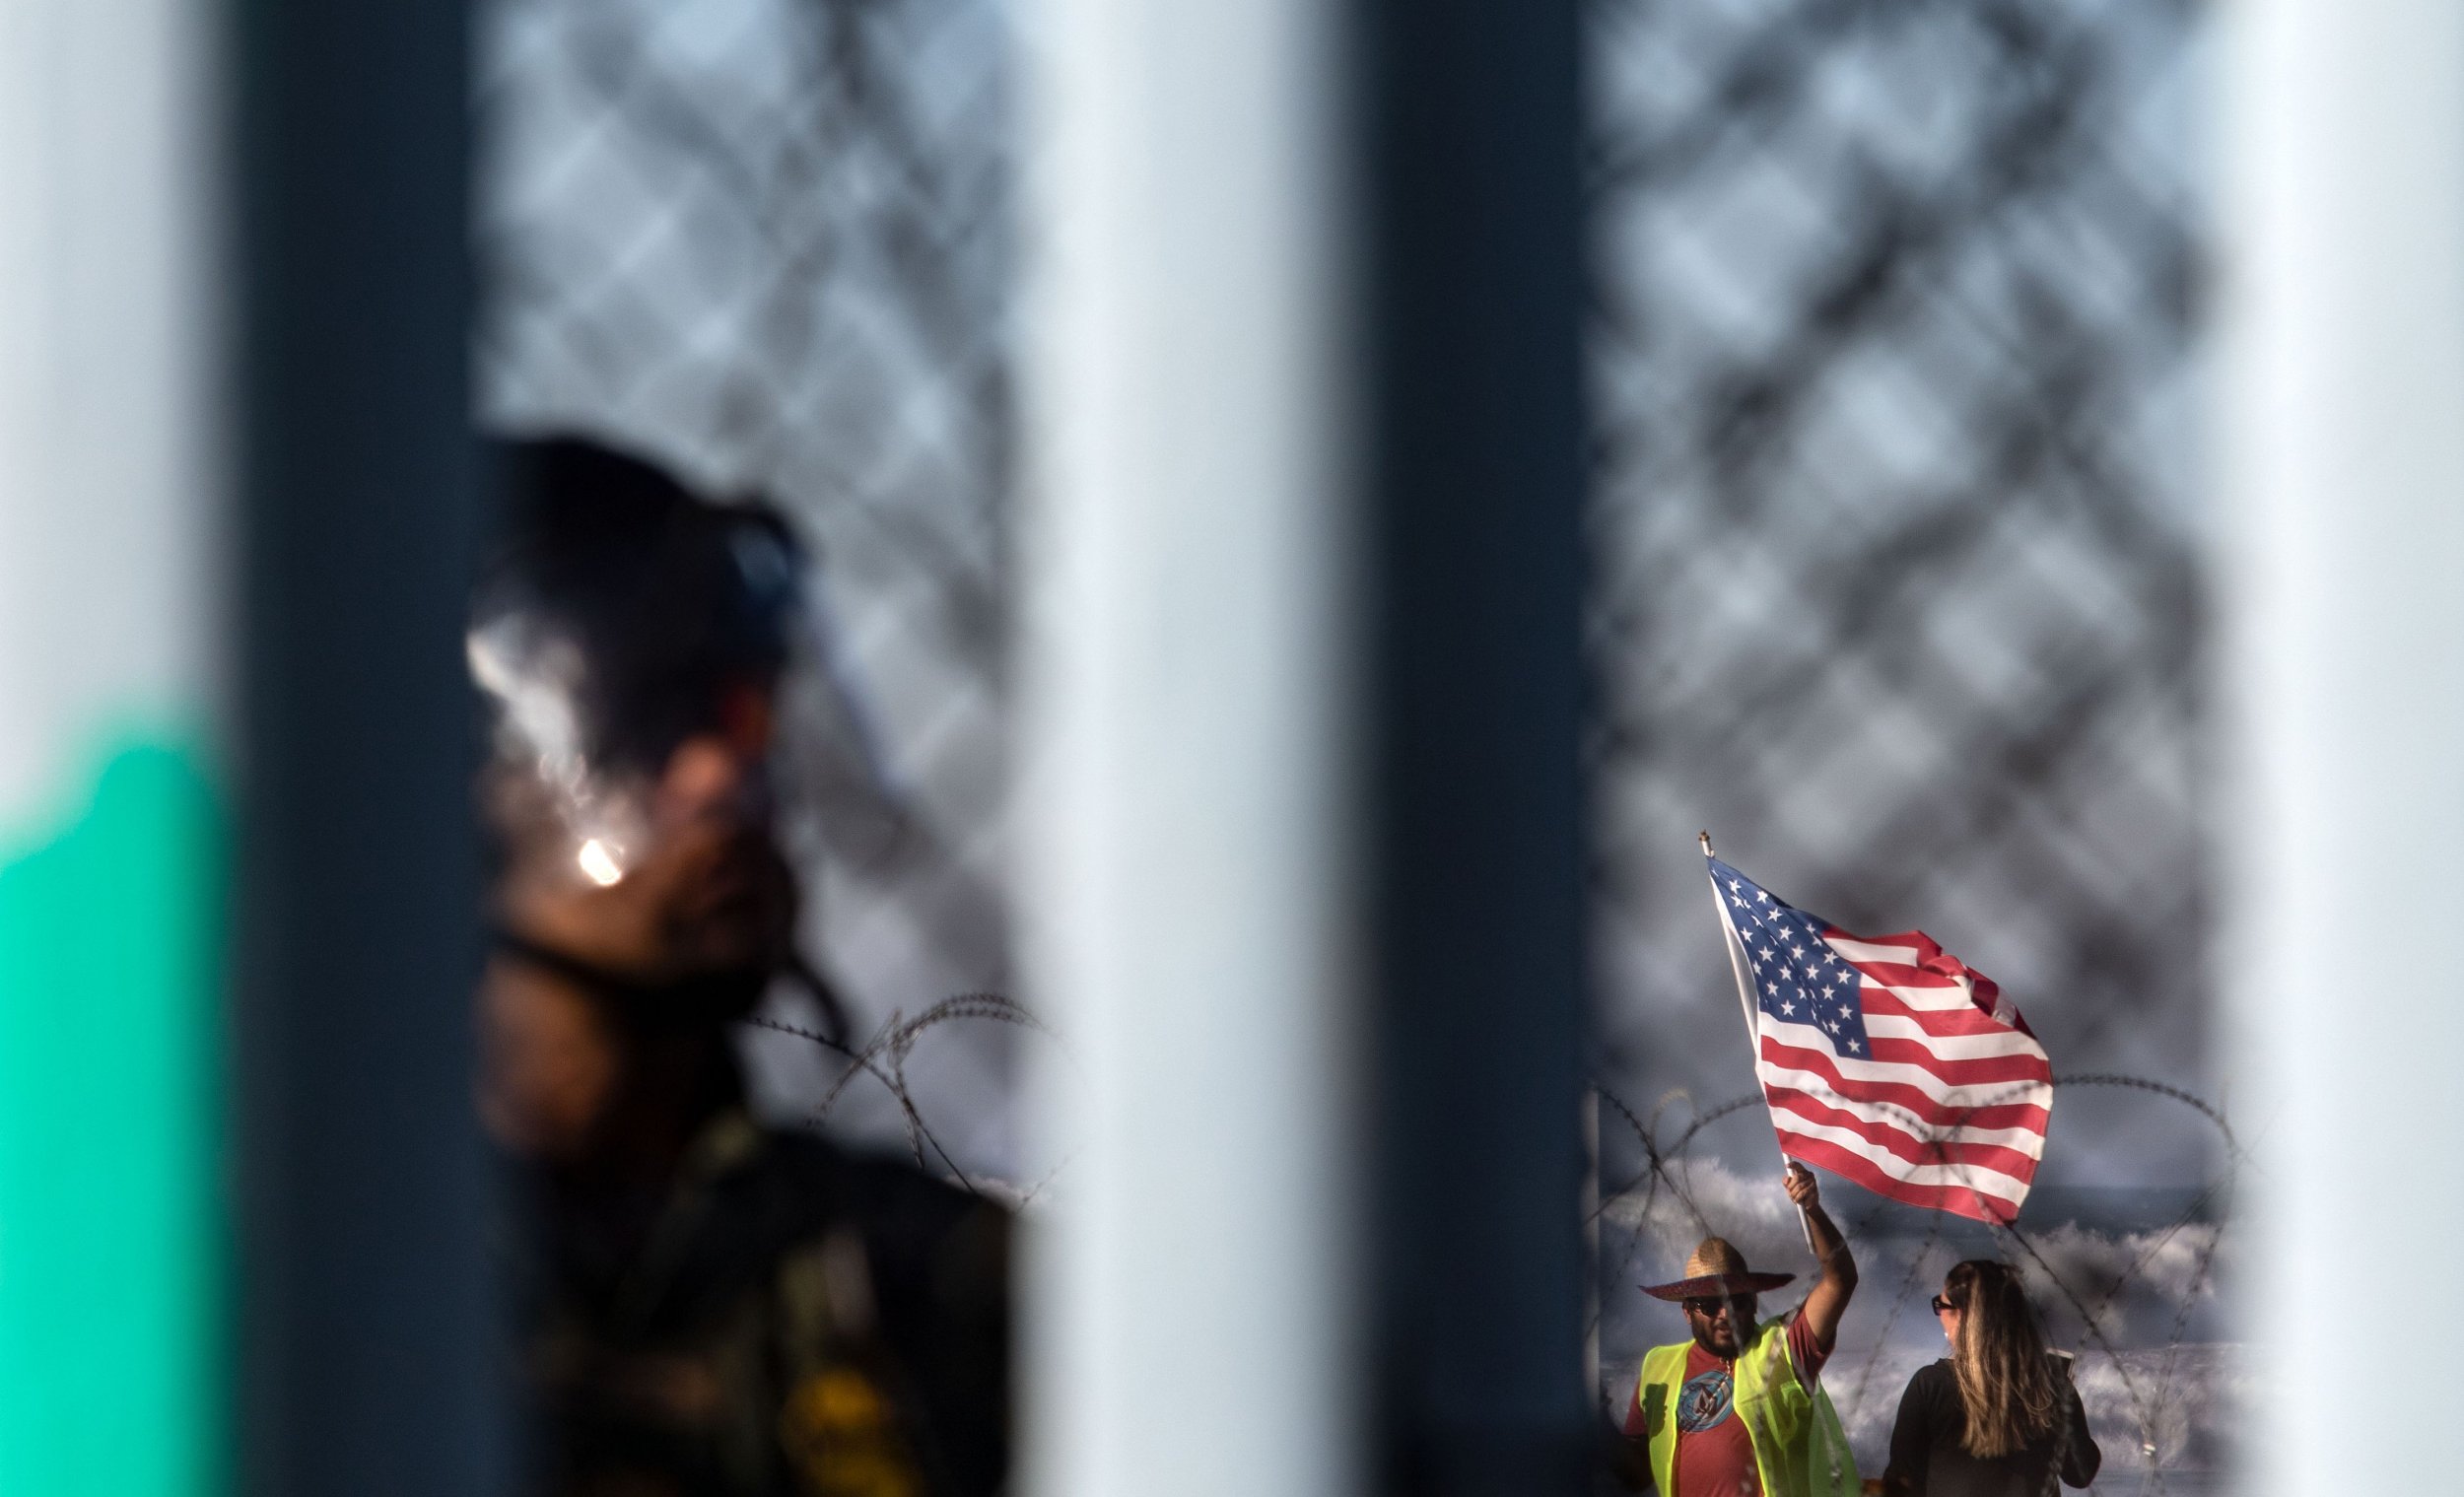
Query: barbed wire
[884,1058]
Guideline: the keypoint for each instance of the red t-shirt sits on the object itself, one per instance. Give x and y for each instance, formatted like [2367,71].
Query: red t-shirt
[1715,1456]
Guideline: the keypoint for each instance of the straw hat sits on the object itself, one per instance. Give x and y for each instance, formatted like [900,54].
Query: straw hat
[1716,1268]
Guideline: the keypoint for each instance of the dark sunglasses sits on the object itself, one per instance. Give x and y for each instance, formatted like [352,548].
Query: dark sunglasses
[1712,1306]
[1941,1305]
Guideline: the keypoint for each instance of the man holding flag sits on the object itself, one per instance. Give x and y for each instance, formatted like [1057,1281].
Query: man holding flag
[1886,1060]
[1740,1410]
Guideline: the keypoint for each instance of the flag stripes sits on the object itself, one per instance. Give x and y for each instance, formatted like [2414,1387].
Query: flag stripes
[1886,1061]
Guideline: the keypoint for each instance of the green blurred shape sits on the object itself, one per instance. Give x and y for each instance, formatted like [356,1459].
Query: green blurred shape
[111,1226]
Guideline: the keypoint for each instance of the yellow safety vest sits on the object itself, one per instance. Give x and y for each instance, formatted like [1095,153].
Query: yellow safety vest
[1800,1449]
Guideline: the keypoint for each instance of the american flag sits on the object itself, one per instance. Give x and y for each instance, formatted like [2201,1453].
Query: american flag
[1884,1060]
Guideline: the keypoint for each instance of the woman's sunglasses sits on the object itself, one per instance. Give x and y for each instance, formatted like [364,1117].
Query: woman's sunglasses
[1941,1305]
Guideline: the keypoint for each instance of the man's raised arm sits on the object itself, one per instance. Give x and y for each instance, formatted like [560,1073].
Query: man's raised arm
[1829,1299]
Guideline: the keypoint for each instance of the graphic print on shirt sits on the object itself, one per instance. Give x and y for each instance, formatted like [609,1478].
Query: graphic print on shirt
[1703,1402]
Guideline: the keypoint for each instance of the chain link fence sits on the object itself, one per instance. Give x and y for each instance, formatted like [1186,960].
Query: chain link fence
[1896,355]
[1897,363]
[769,244]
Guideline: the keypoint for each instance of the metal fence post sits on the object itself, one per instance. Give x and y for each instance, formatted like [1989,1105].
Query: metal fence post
[366,1302]
[1187,915]
[1301,738]
[1471,276]
[2344,461]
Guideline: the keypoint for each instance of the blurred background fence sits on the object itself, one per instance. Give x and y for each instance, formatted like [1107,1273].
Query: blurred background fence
[769,243]
[1896,366]
[1895,363]
[1899,590]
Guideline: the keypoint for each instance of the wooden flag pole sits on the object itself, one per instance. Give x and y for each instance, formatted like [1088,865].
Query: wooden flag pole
[1753,1030]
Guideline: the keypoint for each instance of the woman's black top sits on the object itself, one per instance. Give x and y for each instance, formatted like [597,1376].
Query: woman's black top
[1927,1459]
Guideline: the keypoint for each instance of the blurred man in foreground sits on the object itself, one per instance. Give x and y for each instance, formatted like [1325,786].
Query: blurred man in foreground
[1740,1410]
[703,1306]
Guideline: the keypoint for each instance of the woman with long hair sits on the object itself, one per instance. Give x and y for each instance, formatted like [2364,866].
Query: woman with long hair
[1999,1417]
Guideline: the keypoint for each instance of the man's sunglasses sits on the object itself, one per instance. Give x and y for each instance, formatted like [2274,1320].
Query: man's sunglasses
[1708,1308]
[1941,1305]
